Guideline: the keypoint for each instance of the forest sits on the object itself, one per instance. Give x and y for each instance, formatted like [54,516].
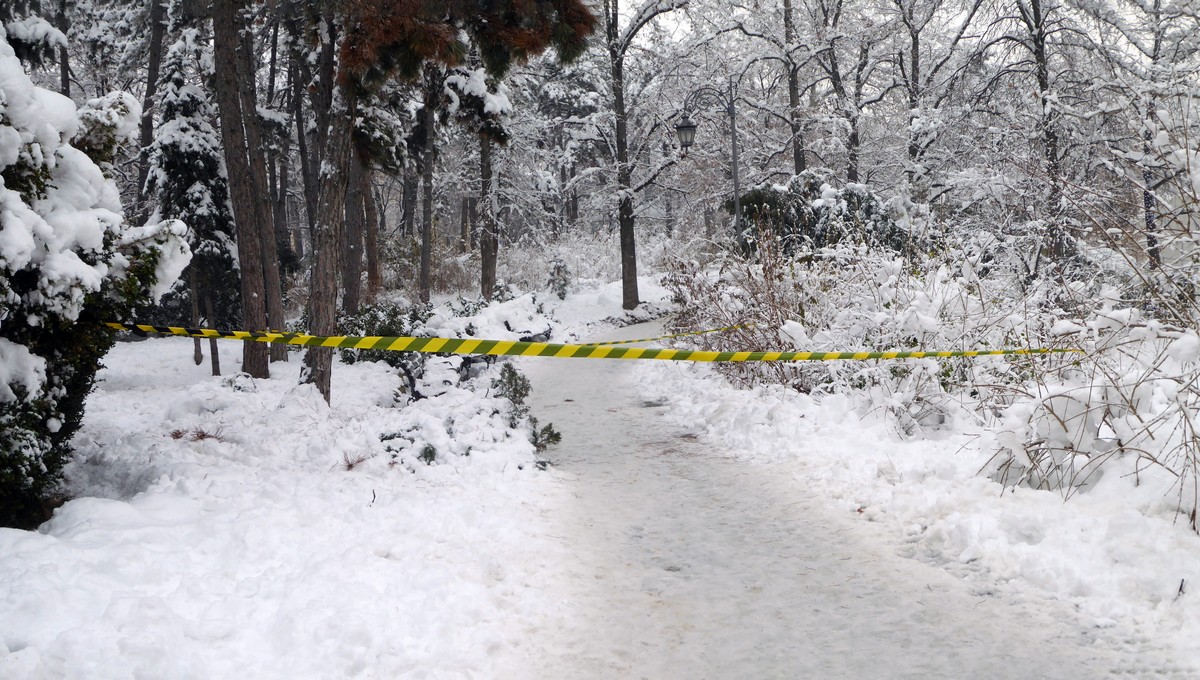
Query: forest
[838,175]
[927,274]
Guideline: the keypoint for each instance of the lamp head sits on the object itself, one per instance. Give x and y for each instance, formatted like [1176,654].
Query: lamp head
[686,130]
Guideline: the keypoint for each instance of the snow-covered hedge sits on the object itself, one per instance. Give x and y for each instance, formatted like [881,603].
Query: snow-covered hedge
[67,263]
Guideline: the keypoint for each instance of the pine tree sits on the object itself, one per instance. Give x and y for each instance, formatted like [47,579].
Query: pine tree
[72,264]
[384,39]
[187,180]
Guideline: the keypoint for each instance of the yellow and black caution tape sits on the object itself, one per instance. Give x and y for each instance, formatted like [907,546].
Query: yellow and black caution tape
[667,337]
[545,349]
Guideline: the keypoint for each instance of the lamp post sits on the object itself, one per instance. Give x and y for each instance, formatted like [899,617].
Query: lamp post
[686,129]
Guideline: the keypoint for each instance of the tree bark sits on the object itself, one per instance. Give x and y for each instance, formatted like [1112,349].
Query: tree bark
[264,220]
[212,342]
[464,224]
[408,196]
[322,314]
[488,239]
[308,171]
[158,16]
[241,189]
[914,103]
[793,80]
[625,219]
[351,250]
[194,294]
[371,234]
[424,283]
[64,63]
[1153,250]
[1035,19]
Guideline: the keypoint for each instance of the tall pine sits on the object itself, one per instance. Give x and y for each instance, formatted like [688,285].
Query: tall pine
[188,182]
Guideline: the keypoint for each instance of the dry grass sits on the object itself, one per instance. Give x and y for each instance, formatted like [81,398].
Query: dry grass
[197,434]
[351,461]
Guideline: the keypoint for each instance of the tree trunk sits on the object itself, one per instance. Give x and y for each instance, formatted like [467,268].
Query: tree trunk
[1061,248]
[322,314]
[852,144]
[158,16]
[914,172]
[64,64]
[283,238]
[194,294]
[488,240]
[793,80]
[307,166]
[408,196]
[629,282]
[464,224]
[371,240]
[670,216]
[351,250]
[241,187]
[264,220]
[424,282]
[212,342]
[1153,251]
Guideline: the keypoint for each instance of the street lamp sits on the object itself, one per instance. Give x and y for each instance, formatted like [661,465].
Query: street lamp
[686,129]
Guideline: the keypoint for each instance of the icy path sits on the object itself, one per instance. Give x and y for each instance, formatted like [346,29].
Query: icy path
[683,563]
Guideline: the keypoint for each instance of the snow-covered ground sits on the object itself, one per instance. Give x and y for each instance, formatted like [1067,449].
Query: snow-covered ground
[229,528]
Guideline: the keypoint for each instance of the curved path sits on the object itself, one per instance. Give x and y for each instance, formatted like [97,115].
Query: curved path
[683,563]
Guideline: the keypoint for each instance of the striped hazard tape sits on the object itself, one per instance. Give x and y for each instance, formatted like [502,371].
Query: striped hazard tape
[668,337]
[547,349]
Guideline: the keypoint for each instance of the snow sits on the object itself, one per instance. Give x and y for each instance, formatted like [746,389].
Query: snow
[36,30]
[19,368]
[233,527]
[1118,557]
[224,536]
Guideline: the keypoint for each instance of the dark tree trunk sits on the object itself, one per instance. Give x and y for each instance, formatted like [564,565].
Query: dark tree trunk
[793,80]
[1035,19]
[64,63]
[625,219]
[158,16]
[351,250]
[408,216]
[1153,250]
[265,221]
[307,166]
[424,282]
[371,237]
[322,316]
[464,224]
[283,239]
[488,239]
[212,342]
[255,359]
[194,294]
[852,144]
[670,216]
[914,103]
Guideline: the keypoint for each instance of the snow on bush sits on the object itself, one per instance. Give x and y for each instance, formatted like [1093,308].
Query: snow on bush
[67,262]
[854,297]
[1126,410]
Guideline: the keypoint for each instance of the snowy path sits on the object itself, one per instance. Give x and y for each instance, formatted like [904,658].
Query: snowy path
[683,563]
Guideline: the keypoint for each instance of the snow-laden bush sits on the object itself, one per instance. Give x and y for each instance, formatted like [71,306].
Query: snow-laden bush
[812,211]
[1126,408]
[67,263]
[1129,408]
[853,297]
